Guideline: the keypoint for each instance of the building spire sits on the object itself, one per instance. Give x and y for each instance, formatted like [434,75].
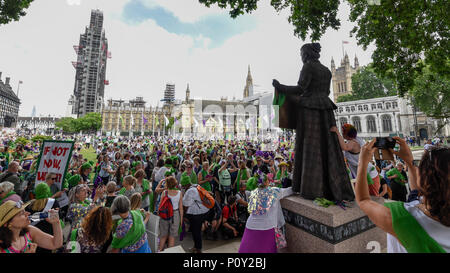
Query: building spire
[248,90]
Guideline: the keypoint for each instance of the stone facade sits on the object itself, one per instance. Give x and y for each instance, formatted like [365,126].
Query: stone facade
[385,116]
[342,76]
[135,117]
[9,104]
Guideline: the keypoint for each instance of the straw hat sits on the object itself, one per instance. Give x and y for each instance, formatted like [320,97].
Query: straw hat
[9,209]
[283,164]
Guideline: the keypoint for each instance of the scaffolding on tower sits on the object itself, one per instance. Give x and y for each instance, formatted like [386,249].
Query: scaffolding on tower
[76,64]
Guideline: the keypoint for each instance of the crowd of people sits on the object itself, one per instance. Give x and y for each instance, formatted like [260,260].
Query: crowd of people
[214,189]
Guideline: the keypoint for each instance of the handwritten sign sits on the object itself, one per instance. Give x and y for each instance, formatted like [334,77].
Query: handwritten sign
[54,157]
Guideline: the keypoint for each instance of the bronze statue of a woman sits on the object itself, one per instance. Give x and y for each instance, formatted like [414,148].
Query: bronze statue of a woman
[319,163]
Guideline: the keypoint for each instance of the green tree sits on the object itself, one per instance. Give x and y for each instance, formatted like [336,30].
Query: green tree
[345,98]
[431,94]
[91,122]
[12,10]
[404,32]
[65,124]
[366,85]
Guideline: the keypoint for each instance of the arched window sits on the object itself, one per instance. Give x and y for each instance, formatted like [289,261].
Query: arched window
[371,124]
[394,105]
[360,108]
[342,121]
[374,106]
[387,123]
[352,108]
[388,105]
[380,106]
[357,123]
[340,109]
[366,107]
[347,109]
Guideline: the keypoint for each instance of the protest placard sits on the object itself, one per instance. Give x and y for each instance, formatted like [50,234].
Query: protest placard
[54,157]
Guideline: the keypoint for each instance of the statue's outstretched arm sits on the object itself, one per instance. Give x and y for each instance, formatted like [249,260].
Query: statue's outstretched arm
[302,84]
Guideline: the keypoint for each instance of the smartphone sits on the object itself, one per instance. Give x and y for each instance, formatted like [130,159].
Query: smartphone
[385,143]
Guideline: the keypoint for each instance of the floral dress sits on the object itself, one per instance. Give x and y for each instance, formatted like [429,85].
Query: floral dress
[77,211]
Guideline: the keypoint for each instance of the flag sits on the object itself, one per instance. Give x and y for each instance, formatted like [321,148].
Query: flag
[345,42]
[195,122]
[166,120]
[157,121]
[121,118]
[204,122]
[144,119]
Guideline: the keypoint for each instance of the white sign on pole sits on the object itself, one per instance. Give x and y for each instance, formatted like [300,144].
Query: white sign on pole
[55,158]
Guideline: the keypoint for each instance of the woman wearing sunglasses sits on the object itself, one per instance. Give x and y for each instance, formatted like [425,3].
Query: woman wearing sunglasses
[18,236]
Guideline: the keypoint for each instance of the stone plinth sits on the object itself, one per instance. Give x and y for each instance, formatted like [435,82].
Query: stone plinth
[314,229]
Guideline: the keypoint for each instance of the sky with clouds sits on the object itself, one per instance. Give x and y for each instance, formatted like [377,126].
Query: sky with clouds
[154,42]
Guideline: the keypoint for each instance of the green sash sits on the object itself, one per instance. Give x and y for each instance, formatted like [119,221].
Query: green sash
[206,185]
[244,177]
[410,233]
[133,235]
[145,187]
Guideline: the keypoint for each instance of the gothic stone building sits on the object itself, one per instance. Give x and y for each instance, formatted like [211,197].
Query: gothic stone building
[9,104]
[385,116]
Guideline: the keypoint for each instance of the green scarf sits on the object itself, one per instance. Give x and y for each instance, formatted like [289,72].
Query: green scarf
[85,203]
[244,177]
[122,191]
[133,235]
[7,195]
[399,178]
[279,176]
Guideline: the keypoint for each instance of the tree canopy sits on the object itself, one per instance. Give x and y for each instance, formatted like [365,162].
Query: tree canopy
[367,85]
[404,32]
[12,10]
[91,122]
[431,94]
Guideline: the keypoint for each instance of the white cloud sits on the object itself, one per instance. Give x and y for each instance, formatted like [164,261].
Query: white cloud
[38,50]
[186,10]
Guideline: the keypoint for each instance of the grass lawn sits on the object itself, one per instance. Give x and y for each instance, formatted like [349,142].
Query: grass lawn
[415,148]
[89,154]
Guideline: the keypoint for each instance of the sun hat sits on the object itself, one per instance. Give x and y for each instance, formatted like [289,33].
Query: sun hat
[9,209]
[284,163]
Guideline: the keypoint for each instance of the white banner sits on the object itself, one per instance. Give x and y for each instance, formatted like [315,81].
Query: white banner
[55,157]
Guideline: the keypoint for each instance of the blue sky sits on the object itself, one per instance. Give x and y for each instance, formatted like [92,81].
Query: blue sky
[216,27]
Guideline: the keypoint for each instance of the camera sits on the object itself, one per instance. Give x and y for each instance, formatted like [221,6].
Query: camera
[385,143]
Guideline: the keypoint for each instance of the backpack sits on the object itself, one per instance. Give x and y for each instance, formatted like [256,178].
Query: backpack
[165,210]
[207,199]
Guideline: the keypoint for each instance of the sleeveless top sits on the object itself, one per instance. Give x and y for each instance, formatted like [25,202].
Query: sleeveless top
[434,236]
[11,249]
[353,158]
[175,200]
